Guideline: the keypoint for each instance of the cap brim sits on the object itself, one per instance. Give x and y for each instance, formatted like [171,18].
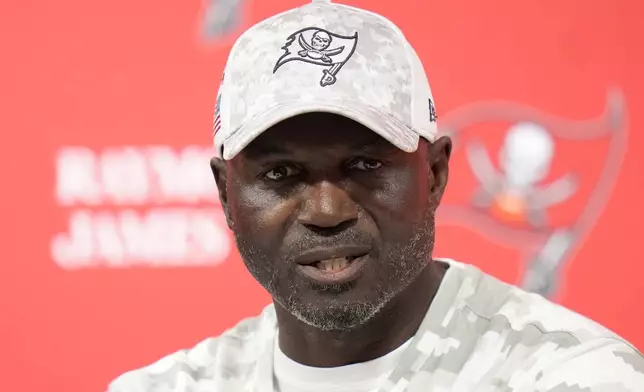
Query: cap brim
[391,129]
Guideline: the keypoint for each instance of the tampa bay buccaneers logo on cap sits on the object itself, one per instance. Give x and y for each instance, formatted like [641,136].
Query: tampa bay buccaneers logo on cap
[320,47]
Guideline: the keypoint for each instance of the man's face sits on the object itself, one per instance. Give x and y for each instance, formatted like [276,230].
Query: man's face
[330,218]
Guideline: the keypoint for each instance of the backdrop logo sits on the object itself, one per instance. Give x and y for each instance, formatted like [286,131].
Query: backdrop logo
[221,18]
[518,199]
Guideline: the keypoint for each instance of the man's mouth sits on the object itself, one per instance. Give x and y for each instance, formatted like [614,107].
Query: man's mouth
[336,264]
[333,266]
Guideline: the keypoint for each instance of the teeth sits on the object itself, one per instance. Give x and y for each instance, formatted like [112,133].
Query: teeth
[333,264]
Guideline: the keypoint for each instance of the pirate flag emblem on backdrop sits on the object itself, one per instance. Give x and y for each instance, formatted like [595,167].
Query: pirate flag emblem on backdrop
[320,47]
[539,185]
[221,18]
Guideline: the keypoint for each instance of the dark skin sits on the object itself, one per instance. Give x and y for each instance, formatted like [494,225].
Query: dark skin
[319,180]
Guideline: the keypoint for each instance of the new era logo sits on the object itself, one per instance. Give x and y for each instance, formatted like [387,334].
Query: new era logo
[432,111]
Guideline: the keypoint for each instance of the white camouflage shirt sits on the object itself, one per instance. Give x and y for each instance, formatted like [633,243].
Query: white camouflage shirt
[479,335]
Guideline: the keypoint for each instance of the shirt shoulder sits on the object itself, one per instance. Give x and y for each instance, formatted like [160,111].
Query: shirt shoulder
[225,362]
[601,365]
[537,344]
[488,298]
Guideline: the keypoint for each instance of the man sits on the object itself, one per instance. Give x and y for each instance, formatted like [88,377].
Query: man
[330,171]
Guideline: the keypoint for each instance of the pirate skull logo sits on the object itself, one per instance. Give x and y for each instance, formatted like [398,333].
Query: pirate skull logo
[321,40]
[317,49]
[516,191]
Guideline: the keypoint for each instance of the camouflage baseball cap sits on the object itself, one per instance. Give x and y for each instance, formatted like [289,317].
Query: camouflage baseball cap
[324,57]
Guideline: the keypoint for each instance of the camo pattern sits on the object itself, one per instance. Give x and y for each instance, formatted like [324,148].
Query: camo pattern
[479,335]
[381,84]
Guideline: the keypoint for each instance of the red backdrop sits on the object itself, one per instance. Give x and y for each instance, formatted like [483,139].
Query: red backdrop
[114,250]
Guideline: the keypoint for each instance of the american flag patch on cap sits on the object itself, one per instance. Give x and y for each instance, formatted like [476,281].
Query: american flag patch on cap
[217,122]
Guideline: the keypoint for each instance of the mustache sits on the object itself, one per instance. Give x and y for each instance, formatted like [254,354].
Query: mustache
[310,240]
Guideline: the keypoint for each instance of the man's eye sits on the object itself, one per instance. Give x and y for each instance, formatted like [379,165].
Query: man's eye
[280,173]
[366,164]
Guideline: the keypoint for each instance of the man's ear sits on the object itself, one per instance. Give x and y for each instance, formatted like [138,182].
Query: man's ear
[438,154]
[218,167]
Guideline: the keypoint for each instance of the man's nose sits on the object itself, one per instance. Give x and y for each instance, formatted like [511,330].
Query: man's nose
[328,207]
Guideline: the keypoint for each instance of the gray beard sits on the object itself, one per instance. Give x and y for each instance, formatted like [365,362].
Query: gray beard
[405,261]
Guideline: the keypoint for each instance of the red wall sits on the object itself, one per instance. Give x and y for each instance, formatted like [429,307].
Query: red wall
[105,116]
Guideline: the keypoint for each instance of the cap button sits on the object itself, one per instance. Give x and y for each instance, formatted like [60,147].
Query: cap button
[321,1]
